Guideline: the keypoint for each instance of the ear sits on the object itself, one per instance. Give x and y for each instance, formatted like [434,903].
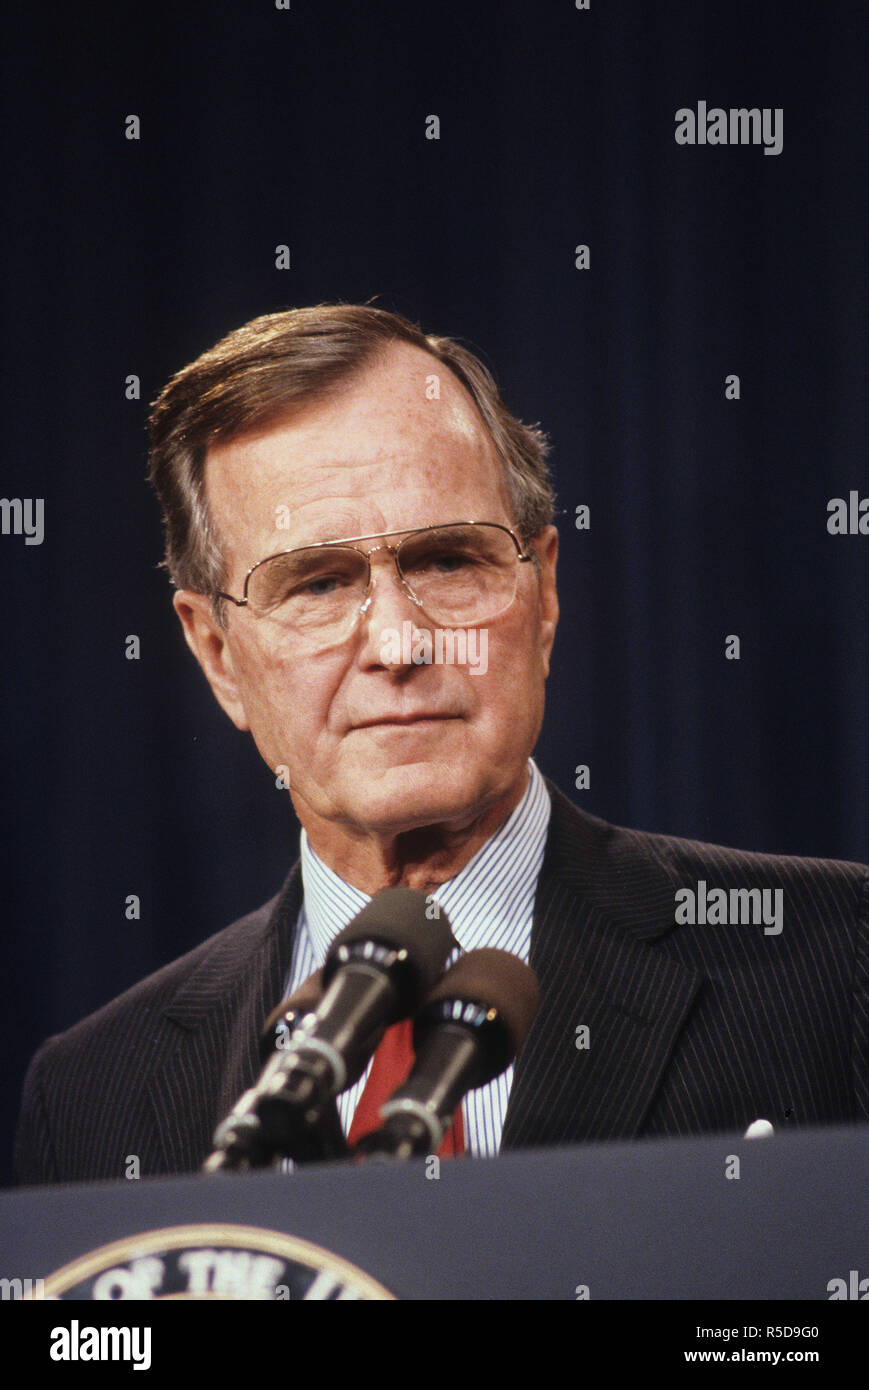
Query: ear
[209,643]
[546,545]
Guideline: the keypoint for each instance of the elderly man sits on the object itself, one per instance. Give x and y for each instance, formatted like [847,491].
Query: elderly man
[339,491]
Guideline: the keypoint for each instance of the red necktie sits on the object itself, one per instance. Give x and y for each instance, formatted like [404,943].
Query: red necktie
[392,1063]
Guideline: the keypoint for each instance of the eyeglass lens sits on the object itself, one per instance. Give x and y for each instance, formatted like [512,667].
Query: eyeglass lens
[459,575]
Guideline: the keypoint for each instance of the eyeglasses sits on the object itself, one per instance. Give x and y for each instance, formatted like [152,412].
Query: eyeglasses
[460,574]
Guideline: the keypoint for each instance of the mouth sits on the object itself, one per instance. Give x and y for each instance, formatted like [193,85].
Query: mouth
[403,721]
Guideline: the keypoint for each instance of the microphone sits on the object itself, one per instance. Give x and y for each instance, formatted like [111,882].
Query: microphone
[377,971]
[286,1016]
[306,1143]
[471,1027]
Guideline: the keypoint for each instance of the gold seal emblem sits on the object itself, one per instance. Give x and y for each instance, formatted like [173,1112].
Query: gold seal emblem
[211,1261]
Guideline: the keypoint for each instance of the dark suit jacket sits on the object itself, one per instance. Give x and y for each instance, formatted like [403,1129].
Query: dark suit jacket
[692,1029]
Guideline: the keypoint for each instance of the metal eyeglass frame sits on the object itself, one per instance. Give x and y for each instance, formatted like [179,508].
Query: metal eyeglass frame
[347,543]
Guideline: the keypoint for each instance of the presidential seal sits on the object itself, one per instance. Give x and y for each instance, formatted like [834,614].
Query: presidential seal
[211,1261]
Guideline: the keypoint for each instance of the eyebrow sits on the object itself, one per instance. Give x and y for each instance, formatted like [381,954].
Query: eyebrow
[370,535]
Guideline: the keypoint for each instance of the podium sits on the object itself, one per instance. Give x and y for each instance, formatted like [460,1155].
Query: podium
[715,1218]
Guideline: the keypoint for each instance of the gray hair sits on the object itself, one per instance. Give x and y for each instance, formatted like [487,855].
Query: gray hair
[279,360]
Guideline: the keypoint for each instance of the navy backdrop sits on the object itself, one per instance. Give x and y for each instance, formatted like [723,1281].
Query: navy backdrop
[307,127]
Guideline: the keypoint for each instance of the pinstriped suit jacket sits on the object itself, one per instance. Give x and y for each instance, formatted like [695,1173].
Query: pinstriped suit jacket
[691,1029]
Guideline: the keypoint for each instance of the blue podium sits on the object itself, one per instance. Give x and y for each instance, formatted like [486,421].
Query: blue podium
[783,1218]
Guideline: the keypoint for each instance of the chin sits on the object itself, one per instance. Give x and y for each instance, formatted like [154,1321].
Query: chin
[416,794]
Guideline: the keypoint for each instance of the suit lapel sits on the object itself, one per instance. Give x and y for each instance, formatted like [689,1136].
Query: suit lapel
[601,903]
[209,1045]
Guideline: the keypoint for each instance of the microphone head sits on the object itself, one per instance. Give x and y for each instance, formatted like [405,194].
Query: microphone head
[499,982]
[283,1019]
[407,922]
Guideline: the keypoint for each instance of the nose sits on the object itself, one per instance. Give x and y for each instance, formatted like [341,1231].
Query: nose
[387,607]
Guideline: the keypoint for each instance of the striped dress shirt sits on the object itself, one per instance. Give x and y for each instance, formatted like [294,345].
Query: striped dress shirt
[489,903]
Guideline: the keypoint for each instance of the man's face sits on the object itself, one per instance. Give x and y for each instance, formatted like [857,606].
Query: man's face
[374,745]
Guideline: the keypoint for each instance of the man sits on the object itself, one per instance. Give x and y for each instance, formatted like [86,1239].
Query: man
[338,490]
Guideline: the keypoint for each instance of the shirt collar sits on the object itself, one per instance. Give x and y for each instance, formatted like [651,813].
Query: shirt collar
[489,902]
